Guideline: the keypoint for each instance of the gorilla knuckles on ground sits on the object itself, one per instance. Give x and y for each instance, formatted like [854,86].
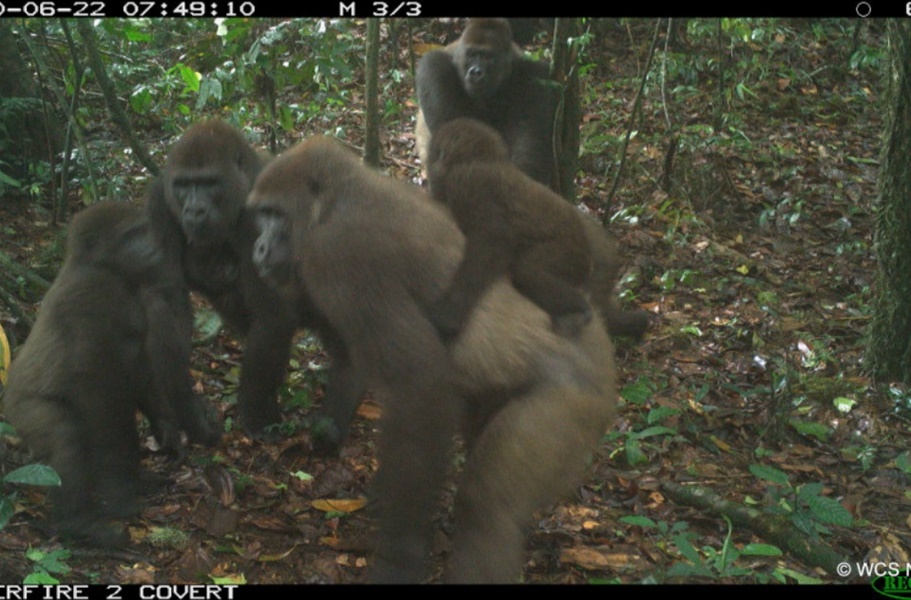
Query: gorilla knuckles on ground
[513,225]
[370,254]
[484,76]
[75,386]
[197,211]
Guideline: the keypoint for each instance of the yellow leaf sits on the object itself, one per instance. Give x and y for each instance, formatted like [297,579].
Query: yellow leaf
[4,356]
[743,269]
[229,579]
[724,447]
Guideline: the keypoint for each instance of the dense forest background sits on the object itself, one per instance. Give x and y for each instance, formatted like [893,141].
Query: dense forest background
[739,163]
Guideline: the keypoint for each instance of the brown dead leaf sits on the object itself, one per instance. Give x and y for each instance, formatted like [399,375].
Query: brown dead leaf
[370,410]
[339,505]
[276,557]
[602,557]
[141,573]
[222,522]
[269,523]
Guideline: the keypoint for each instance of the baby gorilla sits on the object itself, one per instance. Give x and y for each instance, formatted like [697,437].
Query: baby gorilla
[512,224]
[75,386]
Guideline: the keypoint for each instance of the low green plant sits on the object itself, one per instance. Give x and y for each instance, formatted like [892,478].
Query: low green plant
[28,475]
[47,563]
[717,563]
[638,393]
[804,505]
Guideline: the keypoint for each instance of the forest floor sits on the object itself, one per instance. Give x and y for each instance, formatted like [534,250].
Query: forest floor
[757,262]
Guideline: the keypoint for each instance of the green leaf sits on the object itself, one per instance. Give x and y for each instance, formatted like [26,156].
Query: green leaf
[653,431]
[843,404]
[636,393]
[639,521]
[829,510]
[207,324]
[760,550]
[903,462]
[7,180]
[52,561]
[33,475]
[6,429]
[798,577]
[661,412]
[817,430]
[190,77]
[685,570]
[40,578]
[769,474]
[808,490]
[805,523]
[634,454]
[681,540]
[7,508]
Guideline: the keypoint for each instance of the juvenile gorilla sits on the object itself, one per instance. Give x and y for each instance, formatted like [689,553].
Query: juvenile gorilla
[196,211]
[513,225]
[484,76]
[362,257]
[76,384]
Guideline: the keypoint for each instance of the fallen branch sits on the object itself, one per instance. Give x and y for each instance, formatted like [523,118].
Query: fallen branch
[774,528]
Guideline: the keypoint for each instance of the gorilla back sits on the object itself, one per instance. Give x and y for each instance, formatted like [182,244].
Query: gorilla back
[369,255]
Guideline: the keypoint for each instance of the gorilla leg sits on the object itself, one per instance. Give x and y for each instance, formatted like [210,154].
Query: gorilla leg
[171,397]
[344,391]
[263,368]
[416,439]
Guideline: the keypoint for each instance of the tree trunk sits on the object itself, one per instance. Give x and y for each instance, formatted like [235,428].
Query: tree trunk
[889,350]
[565,72]
[372,134]
[119,116]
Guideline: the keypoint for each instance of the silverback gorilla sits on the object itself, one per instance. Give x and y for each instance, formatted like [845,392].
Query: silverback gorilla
[484,76]
[369,255]
[86,368]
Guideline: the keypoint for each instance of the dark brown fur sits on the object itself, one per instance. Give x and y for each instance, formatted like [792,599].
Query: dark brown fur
[602,287]
[512,96]
[513,225]
[369,255]
[196,210]
[484,76]
[77,383]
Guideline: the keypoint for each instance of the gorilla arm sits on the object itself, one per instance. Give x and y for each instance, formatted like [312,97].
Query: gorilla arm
[603,286]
